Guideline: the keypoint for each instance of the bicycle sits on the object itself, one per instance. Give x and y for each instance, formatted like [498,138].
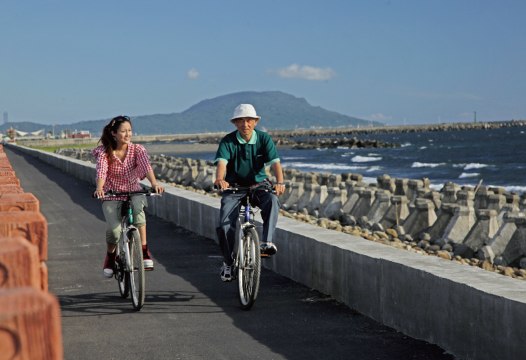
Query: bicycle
[129,267]
[247,253]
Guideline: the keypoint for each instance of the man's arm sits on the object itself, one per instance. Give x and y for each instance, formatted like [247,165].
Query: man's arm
[276,169]
[220,182]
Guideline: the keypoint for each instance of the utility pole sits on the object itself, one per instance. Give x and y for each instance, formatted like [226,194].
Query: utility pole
[475,116]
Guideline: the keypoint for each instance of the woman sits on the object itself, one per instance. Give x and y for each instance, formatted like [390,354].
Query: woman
[120,166]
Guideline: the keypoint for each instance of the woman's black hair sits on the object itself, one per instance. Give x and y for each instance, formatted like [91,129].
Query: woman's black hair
[107,139]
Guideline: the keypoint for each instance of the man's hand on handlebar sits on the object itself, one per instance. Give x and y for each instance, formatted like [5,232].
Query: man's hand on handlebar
[280,189]
[221,184]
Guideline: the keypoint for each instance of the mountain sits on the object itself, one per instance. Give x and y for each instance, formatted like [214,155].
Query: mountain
[278,110]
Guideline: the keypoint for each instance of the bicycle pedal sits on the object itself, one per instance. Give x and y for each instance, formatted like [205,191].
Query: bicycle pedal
[149,269]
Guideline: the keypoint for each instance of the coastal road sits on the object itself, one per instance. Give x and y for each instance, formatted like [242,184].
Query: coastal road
[189,313]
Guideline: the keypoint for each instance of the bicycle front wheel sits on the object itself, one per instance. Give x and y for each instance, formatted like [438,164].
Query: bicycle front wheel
[122,275]
[249,269]
[136,275]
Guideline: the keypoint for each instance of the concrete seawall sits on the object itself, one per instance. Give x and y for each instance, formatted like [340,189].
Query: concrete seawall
[470,312]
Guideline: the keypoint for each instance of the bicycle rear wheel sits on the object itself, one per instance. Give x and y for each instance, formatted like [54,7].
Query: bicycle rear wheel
[249,269]
[136,277]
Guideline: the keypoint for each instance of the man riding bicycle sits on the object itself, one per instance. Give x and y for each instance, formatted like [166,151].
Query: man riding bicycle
[241,159]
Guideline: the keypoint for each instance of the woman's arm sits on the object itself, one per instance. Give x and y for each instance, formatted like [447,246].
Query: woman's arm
[99,192]
[151,178]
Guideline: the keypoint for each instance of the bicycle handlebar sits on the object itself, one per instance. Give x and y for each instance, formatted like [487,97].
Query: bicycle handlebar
[262,187]
[146,191]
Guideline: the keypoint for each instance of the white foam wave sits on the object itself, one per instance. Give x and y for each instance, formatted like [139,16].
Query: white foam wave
[436,187]
[431,165]
[324,149]
[422,148]
[466,175]
[348,154]
[475,166]
[369,180]
[430,140]
[292,158]
[405,145]
[373,154]
[374,168]
[515,189]
[459,165]
[359,158]
[322,166]
[343,147]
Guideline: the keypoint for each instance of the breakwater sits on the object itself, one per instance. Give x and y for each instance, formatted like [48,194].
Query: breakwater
[484,226]
[426,297]
[396,129]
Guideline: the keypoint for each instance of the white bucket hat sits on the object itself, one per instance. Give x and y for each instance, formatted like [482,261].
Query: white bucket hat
[244,110]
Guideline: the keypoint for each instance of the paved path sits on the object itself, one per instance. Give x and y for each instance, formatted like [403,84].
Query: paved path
[189,313]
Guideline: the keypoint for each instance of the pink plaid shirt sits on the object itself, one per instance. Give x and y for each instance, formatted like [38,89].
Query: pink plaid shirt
[123,176]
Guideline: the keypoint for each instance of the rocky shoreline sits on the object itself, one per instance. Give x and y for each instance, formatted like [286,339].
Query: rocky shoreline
[317,143]
[483,226]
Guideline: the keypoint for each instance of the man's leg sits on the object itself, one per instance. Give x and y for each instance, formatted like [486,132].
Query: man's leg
[269,205]
[226,230]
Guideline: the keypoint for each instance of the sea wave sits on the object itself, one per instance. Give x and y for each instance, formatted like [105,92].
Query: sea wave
[475,166]
[348,154]
[322,149]
[420,165]
[405,145]
[343,147]
[515,189]
[359,158]
[322,166]
[466,175]
[373,154]
[422,148]
[369,180]
[374,168]
[292,158]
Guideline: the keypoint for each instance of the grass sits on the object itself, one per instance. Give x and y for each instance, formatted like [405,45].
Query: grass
[53,148]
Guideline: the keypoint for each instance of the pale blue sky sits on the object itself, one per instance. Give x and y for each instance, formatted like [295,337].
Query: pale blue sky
[424,60]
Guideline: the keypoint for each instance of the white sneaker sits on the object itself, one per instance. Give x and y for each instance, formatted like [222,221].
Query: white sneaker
[108,273]
[226,274]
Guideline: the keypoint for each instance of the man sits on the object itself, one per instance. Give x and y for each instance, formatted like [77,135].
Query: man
[241,159]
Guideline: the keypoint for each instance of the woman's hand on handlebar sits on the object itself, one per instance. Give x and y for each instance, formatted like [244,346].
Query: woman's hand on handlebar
[99,193]
[158,188]
[221,184]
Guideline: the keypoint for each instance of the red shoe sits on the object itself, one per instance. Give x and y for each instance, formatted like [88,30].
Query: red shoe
[147,260]
[109,263]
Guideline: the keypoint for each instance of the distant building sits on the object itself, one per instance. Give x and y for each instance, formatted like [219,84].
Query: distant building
[82,134]
[6,119]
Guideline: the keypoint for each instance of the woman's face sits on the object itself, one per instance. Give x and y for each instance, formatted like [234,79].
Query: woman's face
[124,133]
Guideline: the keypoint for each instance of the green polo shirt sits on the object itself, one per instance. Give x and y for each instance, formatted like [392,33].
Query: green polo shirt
[245,162]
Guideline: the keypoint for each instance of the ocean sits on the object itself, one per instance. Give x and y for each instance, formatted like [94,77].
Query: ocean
[497,157]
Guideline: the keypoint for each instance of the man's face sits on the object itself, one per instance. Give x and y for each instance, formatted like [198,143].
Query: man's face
[245,125]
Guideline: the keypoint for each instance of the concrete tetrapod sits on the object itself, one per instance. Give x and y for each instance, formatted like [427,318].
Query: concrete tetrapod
[498,244]
[396,213]
[480,234]
[421,218]
[459,226]
[333,203]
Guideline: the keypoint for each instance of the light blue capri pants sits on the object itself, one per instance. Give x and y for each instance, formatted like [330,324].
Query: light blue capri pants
[112,213]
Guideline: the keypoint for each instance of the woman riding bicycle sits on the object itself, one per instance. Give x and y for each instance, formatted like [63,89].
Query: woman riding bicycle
[120,166]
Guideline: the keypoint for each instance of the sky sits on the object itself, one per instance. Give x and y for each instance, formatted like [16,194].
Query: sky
[398,62]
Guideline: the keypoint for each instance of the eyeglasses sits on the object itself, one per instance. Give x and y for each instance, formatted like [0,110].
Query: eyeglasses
[119,119]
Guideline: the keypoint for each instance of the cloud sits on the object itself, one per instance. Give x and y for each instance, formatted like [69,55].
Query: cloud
[193,74]
[295,71]
[379,117]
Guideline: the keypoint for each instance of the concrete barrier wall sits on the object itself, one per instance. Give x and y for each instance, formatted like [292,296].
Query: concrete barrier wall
[468,311]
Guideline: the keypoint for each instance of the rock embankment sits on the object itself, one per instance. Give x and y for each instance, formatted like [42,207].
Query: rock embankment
[352,143]
[397,129]
[317,143]
[484,226]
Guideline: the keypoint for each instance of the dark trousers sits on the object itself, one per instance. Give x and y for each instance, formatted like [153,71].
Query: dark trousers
[230,206]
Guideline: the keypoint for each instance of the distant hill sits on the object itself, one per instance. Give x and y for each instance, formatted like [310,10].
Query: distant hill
[278,110]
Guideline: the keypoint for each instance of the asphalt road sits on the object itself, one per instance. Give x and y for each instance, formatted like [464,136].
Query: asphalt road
[189,312]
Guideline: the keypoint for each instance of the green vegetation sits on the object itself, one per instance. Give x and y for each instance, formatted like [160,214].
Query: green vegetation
[278,111]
